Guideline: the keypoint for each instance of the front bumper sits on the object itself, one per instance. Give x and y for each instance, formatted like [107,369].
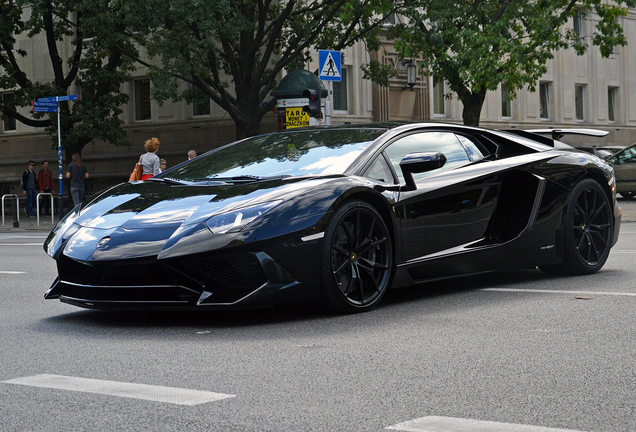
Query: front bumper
[238,279]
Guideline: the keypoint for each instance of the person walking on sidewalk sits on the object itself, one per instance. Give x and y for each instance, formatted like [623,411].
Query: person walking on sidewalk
[150,162]
[45,185]
[78,173]
[29,183]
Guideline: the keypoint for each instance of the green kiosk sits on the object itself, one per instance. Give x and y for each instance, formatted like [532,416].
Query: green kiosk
[298,100]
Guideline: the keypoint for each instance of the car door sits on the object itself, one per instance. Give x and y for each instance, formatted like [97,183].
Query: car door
[625,170]
[451,206]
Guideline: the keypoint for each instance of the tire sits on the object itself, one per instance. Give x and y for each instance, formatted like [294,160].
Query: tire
[627,195]
[357,259]
[588,231]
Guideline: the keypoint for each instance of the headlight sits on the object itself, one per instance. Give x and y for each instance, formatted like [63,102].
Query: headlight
[236,220]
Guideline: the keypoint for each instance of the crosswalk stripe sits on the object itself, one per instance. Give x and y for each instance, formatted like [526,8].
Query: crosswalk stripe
[450,424]
[170,395]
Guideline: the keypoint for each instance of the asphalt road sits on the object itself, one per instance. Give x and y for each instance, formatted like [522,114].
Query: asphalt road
[520,350]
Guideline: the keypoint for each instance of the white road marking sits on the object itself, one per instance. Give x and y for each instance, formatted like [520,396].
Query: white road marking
[10,272]
[12,236]
[450,424]
[571,292]
[171,395]
[623,251]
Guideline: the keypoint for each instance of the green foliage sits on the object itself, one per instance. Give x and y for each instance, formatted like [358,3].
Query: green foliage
[378,72]
[233,50]
[475,46]
[93,61]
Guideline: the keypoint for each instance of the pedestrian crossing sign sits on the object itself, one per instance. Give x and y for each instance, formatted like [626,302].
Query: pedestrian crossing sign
[329,65]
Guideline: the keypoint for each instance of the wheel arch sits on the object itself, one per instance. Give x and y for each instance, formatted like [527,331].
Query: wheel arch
[383,208]
[601,179]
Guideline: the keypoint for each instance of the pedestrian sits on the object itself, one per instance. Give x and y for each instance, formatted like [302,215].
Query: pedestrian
[150,162]
[192,154]
[45,185]
[29,187]
[78,173]
[163,165]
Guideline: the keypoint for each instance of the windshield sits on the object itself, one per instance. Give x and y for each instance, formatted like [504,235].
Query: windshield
[309,152]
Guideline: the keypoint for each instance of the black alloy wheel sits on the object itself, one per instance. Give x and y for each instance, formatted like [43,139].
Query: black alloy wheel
[588,230]
[357,258]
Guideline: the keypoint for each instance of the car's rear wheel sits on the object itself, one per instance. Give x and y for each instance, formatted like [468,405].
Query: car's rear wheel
[357,261]
[588,230]
[627,195]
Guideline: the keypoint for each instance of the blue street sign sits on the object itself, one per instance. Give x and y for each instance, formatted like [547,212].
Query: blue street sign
[44,104]
[45,109]
[59,98]
[329,65]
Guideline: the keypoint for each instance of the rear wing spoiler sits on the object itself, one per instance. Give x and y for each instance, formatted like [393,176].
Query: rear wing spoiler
[555,134]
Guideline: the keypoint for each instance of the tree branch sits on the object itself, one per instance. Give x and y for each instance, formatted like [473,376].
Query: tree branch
[22,119]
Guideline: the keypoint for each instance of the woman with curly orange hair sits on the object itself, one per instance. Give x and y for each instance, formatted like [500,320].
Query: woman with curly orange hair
[150,161]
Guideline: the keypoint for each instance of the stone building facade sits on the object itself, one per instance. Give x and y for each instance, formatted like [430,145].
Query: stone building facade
[577,91]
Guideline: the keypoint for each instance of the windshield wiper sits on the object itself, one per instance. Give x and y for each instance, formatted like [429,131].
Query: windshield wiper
[194,182]
[244,178]
[169,180]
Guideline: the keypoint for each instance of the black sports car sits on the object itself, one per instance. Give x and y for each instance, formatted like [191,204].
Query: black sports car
[337,214]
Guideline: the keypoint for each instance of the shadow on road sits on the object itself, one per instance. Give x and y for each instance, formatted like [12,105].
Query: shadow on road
[290,313]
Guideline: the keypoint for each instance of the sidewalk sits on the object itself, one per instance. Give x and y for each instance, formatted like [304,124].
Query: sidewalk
[28,224]
[629,209]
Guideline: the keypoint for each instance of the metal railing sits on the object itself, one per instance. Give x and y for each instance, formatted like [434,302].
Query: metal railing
[17,206]
[37,206]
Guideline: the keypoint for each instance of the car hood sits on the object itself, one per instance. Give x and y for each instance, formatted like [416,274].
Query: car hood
[154,204]
[140,219]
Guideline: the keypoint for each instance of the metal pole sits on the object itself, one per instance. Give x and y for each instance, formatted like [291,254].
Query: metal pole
[59,161]
[329,102]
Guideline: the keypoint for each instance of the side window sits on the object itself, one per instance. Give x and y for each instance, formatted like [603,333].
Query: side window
[379,170]
[474,153]
[627,156]
[444,142]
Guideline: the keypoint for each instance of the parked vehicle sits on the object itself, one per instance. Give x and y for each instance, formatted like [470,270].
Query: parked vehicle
[613,149]
[625,170]
[605,154]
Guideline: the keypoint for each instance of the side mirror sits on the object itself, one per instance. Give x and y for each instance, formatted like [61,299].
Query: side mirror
[419,163]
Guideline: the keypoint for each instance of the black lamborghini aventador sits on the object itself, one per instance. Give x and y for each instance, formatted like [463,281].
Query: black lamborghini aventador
[337,214]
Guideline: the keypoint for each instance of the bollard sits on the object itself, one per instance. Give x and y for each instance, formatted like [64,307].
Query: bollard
[14,207]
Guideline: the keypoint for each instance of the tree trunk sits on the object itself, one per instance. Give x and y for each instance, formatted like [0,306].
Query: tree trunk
[473,104]
[250,122]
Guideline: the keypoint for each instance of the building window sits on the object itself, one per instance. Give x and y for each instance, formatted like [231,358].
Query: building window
[439,107]
[544,100]
[577,23]
[340,99]
[611,103]
[200,103]
[579,101]
[506,104]
[142,99]
[8,123]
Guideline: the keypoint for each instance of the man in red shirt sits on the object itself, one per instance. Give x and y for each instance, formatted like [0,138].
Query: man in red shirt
[45,184]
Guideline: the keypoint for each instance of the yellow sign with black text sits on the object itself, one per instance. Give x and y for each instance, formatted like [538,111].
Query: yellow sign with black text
[295,117]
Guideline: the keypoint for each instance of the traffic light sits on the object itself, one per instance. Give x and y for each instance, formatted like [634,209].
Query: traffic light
[313,108]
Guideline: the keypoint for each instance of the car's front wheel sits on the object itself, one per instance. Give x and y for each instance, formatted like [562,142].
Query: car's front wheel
[357,261]
[588,230]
